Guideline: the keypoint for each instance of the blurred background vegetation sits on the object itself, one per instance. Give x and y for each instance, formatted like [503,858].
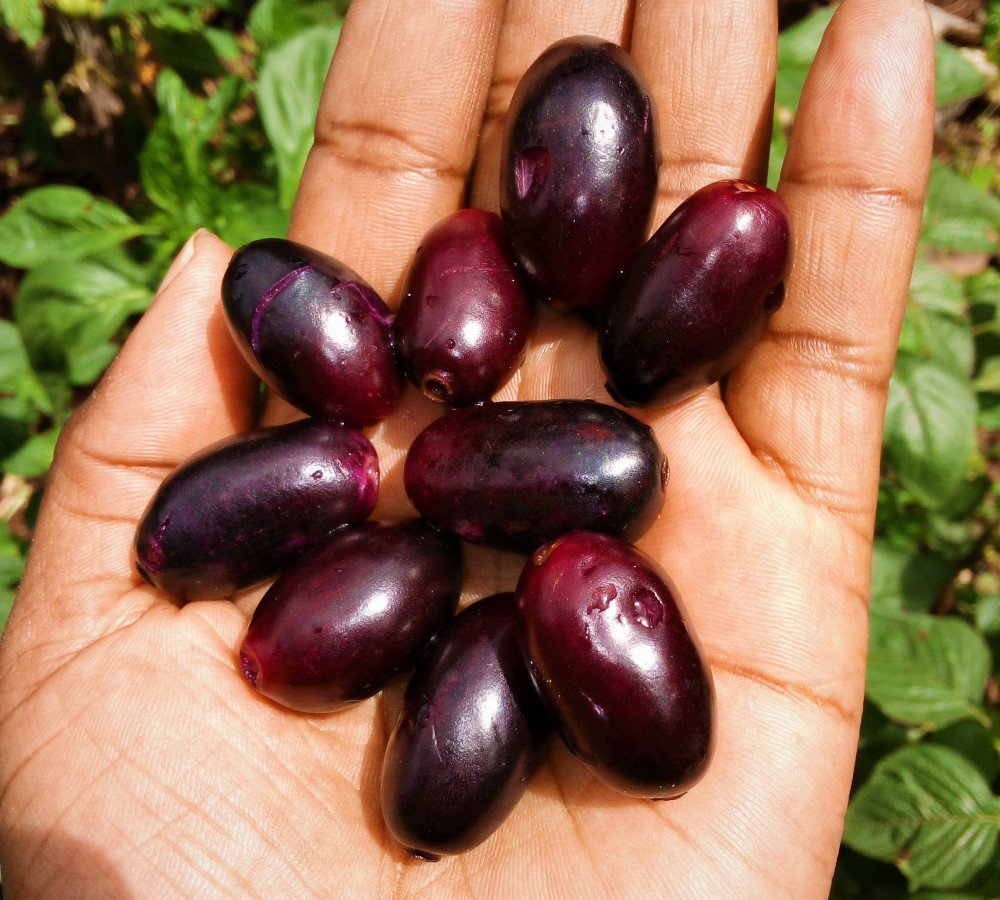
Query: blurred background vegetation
[126,124]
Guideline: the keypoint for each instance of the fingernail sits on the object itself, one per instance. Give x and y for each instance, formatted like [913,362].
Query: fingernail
[181,260]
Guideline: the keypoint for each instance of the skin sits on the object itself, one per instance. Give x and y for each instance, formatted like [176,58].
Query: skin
[134,761]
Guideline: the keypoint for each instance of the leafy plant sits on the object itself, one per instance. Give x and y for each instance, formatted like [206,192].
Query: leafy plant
[231,88]
[225,153]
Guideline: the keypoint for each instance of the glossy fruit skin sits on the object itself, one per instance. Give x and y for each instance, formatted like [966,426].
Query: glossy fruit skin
[470,734]
[241,509]
[618,664]
[351,614]
[465,318]
[515,475]
[697,296]
[313,330]
[578,169]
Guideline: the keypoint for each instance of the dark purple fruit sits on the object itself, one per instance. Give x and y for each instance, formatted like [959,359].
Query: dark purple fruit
[241,509]
[616,660]
[313,330]
[516,475]
[471,731]
[351,614]
[698,294]
[465,319]
[578,169]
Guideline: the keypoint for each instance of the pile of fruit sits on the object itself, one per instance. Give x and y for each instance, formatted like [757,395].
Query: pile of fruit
[594,642]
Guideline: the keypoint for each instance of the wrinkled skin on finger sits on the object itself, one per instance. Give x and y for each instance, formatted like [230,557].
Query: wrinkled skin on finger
[135,761]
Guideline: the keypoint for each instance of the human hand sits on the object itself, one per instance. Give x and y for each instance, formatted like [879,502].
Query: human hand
[134,760]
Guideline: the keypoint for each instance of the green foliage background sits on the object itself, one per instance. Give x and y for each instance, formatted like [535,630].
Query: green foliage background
[236,88]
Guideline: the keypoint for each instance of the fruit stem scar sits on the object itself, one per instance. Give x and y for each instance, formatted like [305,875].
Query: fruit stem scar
[265,301]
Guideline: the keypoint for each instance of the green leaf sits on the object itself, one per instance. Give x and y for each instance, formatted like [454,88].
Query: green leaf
[87,364]
[776,154]
[983,293]
[174,165]
[61,223]
[66,312]
[957,78]
[907,580]
[132,7]
[34,457]
[796,48]
[988,379]
[17,377]
[246,212]
[17,418]
[959,215]
[926,671]
[272,22]
[190,52]
[988,615]
[11,557]
[929,811]
[974,741]
[25,18]
[7,595]
[929,428]
[225,44]
[940,336]
[991,32]
[291,81]
[933,288]
[989,411]
[11,569]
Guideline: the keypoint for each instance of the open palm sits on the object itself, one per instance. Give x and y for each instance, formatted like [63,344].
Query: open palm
[134,760]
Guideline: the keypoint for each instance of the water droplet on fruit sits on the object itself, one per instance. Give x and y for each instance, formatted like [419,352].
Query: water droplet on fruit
[317,474]
[450,344]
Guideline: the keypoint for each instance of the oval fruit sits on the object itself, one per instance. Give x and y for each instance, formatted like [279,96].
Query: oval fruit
[616,660]
[352,614]
[239,510]
[470,734]
[516,475]
[578,169]
[697,296]
[465,319]
[313,330]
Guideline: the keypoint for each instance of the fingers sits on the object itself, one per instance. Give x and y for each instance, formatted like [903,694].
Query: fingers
[809,400]
[529,27]
[397,130]
[178,384]
[710,67]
